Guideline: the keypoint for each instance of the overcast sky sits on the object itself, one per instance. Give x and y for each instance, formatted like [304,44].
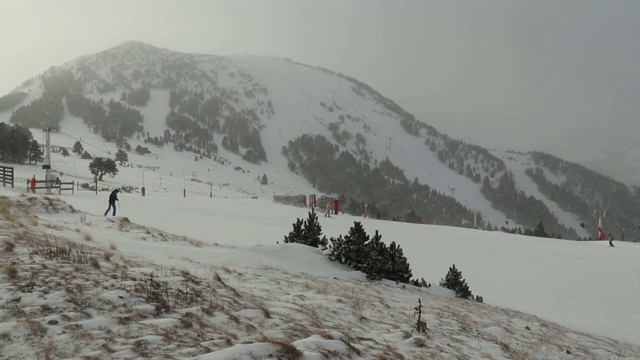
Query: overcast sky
[515,74]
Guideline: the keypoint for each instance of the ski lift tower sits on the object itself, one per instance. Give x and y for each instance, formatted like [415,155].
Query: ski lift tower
[46,164]
[599,214]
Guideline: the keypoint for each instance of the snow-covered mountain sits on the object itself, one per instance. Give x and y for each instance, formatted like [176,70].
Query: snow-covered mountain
[197,269]
[273,117]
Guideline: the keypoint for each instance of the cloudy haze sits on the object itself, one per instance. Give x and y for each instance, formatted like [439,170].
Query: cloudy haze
[521,75]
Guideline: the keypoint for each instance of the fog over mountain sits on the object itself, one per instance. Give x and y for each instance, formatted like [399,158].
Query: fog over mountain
[329,131]
[554,76]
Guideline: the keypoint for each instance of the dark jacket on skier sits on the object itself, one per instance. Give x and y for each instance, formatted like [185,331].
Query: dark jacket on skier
[610,240]
[113,197]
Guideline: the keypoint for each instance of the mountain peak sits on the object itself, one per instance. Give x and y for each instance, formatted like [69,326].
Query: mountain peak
[134,46]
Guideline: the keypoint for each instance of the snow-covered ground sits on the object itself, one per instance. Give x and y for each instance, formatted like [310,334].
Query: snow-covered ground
[235,291]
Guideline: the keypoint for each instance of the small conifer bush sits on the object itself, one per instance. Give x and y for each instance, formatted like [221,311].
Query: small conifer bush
[307,232]
[454,281]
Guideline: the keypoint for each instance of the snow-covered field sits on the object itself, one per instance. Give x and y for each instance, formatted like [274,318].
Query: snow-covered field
[209,277]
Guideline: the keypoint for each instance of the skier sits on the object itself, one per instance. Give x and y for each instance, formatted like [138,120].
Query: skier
[611,240]
[113,197]
[328,210]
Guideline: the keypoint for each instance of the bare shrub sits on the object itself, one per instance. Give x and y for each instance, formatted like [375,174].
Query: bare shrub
[113,246]
[87,236]
[94,262]
[63,251]
[154,292]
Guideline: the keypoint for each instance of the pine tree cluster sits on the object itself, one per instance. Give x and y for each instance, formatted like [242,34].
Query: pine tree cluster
[454,281]
[370,255]
[308,232]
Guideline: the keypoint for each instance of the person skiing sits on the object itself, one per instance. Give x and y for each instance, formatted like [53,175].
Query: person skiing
[611,240]
[113,197]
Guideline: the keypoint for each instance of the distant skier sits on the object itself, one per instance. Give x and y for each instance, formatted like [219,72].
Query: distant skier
[113,197]
[611,240]
[327,212]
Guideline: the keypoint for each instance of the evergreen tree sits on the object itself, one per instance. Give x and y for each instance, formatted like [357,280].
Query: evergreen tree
[77,148]
[35,152]
[377,265]
[86,155]
[121,156]
[454,281]
[297,234]
[539,231]
[399,269]
[101,166]
[64,151]
[313,232]
[308,232]
[356,250]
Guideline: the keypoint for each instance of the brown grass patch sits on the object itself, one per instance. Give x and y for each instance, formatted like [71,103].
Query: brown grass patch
[11,272]
[287,350]
[5,208]
[140,348]
[9,246]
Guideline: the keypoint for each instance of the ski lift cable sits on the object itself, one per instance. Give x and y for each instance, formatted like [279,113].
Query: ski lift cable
[166,173]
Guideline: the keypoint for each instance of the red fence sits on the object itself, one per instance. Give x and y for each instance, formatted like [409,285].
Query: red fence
[295,200]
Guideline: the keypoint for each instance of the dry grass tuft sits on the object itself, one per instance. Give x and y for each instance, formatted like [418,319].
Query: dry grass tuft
[9,246]
[87,236]
[113,246]
[141,349]
[21,235]
[287,350]
[94,262]
[5,208]
[12,272]
[54,227]
[63,251]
